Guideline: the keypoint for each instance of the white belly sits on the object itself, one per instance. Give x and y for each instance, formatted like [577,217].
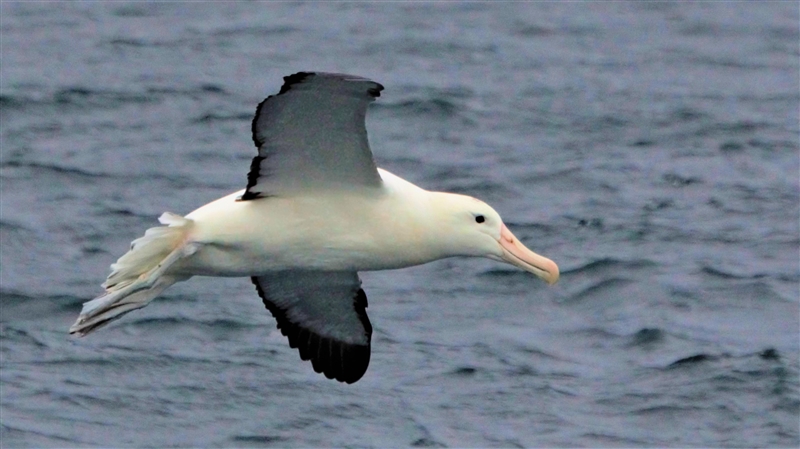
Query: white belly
[354,231]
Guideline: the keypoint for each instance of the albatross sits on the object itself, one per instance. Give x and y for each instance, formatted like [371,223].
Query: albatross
[315,212]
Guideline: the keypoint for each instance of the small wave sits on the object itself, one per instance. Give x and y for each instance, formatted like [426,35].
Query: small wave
[42,170]
[726,62]
[137,10]
[532,30]
[769,354]
[217,117]
[665,410]
[202,89]
[610,264]
[430,102]
[594,334]
[714,29]
[464,371]
[18,305]
[692,360]
[597,439]
[426,442]
[717,272]
[529,230]
[685,114]
[250,440]
[643,143]
[743,364]
[773,145]
[21,336]
[128,42]
[118,43]
[534,175]
[436,107]
[162,322]
[523,370]
[503,273]
[455,49]
[84,97]
[474,187]
[123,212]
[25,437]
[605,121]
[533,351]
[40,166]
[8,226]
[13,102]
[606,287]
[256,31]
[676,180]
[594,222]
[646,337]
[657,204]
[744,127]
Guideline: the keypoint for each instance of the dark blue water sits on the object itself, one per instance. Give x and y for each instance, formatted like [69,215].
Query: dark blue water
[651,149]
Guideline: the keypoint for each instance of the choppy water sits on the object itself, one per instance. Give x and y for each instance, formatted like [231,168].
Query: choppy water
[649,148]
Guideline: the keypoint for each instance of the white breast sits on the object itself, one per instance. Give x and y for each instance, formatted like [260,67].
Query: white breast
[339,230]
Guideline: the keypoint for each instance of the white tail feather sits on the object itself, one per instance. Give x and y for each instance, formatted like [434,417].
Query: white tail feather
[147,251]
[139,276]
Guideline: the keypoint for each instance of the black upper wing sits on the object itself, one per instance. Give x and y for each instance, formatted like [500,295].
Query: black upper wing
[312,136]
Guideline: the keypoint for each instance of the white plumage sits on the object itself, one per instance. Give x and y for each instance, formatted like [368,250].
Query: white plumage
[316,211]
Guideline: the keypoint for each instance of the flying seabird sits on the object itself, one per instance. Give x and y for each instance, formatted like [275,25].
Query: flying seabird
[315,212]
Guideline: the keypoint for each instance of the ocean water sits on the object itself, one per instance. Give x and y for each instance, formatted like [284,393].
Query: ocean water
[651,149]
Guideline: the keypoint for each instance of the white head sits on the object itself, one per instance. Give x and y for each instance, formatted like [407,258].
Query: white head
[470,227]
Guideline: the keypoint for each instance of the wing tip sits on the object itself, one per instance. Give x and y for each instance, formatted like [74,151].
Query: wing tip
[300,77]
[344,362]
[294,78]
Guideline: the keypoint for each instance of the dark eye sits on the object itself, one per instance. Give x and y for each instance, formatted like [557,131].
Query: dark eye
[479,219]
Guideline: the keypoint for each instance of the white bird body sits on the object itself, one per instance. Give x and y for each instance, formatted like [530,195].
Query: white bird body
[357,229]
[315,212]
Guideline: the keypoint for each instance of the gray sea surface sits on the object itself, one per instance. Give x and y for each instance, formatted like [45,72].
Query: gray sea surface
[649,148]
